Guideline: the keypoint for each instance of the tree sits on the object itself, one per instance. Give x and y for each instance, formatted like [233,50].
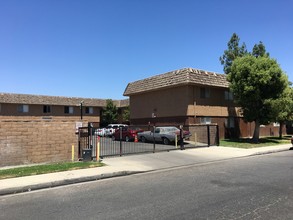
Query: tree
[109,113]
[283,108]
[126,114]
[259,50]
[255,82]
[233,51]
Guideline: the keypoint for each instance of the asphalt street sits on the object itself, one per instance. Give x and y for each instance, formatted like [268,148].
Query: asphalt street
[258,187]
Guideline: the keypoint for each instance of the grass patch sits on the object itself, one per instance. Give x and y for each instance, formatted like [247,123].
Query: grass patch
[247,143]
[46,168]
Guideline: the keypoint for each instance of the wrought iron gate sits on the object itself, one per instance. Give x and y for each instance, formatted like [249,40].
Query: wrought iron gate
[104,146]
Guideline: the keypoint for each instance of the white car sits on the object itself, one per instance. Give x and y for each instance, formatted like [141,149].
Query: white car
[101,132]
[111,128]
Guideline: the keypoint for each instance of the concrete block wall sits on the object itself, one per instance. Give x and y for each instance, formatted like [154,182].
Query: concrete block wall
[198,133]
[29,140]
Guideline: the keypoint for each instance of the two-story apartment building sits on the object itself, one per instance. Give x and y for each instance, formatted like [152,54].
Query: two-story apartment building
[188,97]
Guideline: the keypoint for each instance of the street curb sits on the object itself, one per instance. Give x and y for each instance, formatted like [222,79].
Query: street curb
[271,151]
[65,182]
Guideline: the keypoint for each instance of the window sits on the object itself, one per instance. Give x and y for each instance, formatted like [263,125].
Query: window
[229,122]
[22,108]
[276,124]
[205,120]
[204,93]
[228,95]
[46,109]
[68,110]
[89,110]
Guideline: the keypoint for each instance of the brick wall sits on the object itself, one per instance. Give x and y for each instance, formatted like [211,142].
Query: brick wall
[28,140]
[200,134]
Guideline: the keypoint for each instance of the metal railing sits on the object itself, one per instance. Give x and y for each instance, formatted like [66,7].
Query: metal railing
[119,144]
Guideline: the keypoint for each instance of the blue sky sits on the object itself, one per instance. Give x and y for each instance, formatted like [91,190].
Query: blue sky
[94,48]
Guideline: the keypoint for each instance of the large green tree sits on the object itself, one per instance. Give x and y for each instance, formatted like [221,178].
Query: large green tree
[109,113]
[234,50]
[255,82]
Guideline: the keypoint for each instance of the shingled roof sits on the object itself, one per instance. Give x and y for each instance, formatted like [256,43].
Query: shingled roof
[186,76]
[56,100]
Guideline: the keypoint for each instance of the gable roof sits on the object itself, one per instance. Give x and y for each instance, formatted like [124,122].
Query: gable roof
[56,100]
[186,76]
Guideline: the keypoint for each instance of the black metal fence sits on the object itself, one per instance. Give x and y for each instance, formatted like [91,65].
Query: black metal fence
[104,146]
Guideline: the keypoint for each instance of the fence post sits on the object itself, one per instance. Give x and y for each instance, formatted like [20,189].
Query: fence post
[154,149]
[90,135]
[98,149]
[72,153]
[209,136]
[218,136]
[79,145]
[120,137]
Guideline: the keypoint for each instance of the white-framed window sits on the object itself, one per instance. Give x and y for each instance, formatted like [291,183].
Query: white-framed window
[205,120]
[68,109]
[230,122]
[23,108]
[228,95]
[89,110]
[205,93]
[276,124]
[46,109]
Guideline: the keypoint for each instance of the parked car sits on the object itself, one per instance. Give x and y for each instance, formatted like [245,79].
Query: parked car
[101,132]
[163,134]
[111,128]
[128,134]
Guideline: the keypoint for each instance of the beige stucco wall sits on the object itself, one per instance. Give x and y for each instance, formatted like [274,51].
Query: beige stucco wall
[182,101]
[216,111]
[217,96]
[164,103]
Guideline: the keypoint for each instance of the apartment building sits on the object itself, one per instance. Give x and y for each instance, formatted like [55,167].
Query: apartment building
[189,97]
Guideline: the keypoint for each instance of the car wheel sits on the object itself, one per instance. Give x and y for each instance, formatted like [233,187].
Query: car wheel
[143,139]
[166,141]
[127,139]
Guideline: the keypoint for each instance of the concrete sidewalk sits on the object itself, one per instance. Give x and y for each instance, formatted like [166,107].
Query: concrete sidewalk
[126,165]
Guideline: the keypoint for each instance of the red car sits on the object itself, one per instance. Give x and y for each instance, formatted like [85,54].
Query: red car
[128,134]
